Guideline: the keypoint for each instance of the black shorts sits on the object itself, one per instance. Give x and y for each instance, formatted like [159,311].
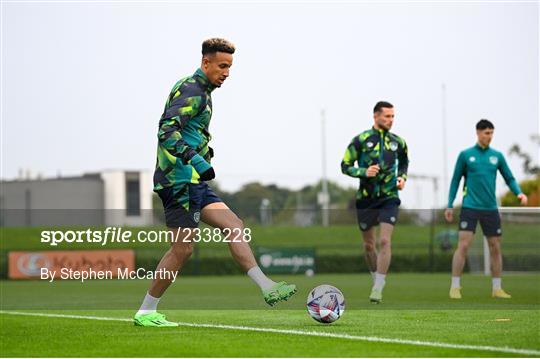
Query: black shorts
[183,204]
[371,212]
[490,221]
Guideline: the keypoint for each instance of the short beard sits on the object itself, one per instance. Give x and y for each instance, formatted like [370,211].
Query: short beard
[386,128]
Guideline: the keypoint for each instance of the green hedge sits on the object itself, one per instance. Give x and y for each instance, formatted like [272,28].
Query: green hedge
[441,262]
[3,264]
[149,258]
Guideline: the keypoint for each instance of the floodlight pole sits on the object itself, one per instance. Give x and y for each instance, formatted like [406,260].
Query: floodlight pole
[444,144]
[325,198]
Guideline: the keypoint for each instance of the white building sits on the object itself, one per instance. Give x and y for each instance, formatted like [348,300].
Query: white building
[111,198]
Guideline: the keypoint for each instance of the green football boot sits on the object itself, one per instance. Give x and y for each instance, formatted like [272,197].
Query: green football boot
[152,320]
[280,291]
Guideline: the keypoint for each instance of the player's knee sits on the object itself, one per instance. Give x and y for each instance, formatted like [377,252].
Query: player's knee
[494,248]
[239,223]
[183,251]
[463,247]
[369,246]
[385,242]
[236,223]
[187,251]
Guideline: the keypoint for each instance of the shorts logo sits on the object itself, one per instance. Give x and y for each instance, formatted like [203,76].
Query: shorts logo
[393,146]
[493,160]
[499,231]
[393,219]
[363,225]
[197,217]
[463,225]
[472,159]
[370,144]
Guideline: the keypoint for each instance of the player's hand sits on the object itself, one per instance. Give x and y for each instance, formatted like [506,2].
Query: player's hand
[372,171]
[523,199]
[208,175]
[203,168]
[400,183]
[449,215]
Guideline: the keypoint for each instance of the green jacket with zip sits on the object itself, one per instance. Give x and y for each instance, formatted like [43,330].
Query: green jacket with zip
[380,147]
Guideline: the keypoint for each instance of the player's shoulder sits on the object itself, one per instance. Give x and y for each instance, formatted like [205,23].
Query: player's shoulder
[188,87]
[395,137]
[498,154]
[495,152]
[362,137]
[468,151]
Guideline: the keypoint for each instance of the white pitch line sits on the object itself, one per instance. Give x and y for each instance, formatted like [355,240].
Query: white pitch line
[302,332]
[70,316]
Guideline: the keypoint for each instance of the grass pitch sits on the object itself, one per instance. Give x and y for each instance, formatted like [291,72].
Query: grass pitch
[225,317]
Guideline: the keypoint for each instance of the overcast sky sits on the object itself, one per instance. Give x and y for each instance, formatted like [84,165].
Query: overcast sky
[84,84]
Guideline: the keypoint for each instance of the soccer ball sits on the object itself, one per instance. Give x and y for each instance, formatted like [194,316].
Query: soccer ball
[325,303]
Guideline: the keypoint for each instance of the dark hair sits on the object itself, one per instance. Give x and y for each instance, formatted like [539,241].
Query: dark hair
[483,124]
[211,46]
[382,104]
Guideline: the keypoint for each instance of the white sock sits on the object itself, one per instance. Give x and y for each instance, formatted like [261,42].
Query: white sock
[372,276]
[456,282]
[379,281]
[149,305]
[496,282]
[260,279]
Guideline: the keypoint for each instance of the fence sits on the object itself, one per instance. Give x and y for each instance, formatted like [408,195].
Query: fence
[422,242]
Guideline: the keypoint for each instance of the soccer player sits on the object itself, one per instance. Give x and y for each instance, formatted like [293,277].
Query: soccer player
[382,169]
[479,165]
[183,165]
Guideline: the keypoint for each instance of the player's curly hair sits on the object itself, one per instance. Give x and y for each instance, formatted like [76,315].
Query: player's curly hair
[216,44]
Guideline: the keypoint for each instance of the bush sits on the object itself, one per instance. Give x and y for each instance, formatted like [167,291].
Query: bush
[441,262]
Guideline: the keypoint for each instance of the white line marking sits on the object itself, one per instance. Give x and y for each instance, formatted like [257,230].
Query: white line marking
[302,332]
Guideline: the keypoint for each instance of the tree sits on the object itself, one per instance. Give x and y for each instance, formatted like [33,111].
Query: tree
[528,166]
[530,187]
